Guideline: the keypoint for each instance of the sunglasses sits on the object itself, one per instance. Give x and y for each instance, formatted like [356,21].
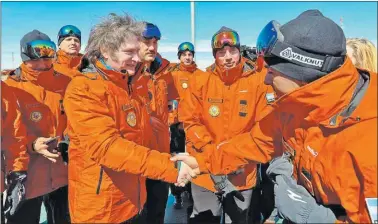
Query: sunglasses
[230,38]
[186,46]
[38,49]
[69,30]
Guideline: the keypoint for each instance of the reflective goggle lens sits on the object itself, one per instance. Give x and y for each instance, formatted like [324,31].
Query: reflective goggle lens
[69,30]
[267,38]
[186,46]
[151,31]
[230,38]
[40,49]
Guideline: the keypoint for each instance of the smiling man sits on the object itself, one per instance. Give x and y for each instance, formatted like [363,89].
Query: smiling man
[225,101]
[108,160]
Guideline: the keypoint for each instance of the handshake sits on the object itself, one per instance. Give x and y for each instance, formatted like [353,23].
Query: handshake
[187,166]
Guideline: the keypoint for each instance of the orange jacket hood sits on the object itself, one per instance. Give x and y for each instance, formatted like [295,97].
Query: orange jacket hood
[69,61]
[322,101]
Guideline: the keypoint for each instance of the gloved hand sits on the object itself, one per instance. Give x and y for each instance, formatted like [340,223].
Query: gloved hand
[225,187]
[228,192]
[296,204]
[280,166]
[15,192]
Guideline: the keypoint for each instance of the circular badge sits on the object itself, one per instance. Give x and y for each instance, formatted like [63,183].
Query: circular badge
[35,116]
[184,85]
[131,119]
[214,111]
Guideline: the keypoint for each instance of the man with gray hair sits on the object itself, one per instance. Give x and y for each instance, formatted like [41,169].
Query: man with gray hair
[109,131]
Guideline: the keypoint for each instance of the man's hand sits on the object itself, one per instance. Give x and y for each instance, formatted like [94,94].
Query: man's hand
[280,166]
[41,147]
[294,203]
[185,174]
[188,168]
[187,159]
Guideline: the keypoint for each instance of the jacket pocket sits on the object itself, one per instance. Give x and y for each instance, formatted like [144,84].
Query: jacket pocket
[99,181]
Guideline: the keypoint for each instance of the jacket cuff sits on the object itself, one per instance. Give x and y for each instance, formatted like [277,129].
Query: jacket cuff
[202,162]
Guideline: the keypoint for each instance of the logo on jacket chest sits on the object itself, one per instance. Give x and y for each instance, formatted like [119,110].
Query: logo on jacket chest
[214,111]
[184,83]
[131,118]
[35,116]
[130,114]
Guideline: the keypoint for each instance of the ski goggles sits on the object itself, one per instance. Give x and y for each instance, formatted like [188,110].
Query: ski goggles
[186,46]
[270,43]
[38,49]
[69,30]
[151,31]
[230,38]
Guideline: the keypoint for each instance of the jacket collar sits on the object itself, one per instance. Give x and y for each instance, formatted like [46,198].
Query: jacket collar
[70,61]
[323,100]
[188,68]
[243,69]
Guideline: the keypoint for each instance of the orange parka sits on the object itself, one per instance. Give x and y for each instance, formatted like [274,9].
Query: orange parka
[108,163]
[161,89]
[226,103]
[43,115]
[182,75]
[330,128]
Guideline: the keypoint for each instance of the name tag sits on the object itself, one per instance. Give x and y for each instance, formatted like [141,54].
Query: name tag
[127,107]
[213,100]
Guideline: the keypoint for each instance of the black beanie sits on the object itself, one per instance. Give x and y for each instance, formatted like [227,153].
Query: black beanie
[314,33]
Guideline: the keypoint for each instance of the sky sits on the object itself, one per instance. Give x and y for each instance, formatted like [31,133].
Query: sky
[173,19]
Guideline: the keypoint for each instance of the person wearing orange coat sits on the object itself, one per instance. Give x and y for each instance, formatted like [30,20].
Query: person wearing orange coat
[108,128]
[161,90]
[226,101]
[68,57]
[322,132]
[182,74]
[44,118]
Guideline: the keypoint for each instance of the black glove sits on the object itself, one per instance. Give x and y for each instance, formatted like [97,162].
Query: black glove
[63,148]
[15,192]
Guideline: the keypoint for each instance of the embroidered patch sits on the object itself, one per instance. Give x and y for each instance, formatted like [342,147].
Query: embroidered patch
[270,98]
[184,85]
[131,119]
[127,107]
[36,116]
[33,105]
[212,100]
[243,109]
[214,111]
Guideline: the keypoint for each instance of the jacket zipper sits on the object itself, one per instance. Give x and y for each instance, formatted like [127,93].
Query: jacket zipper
[99,181]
